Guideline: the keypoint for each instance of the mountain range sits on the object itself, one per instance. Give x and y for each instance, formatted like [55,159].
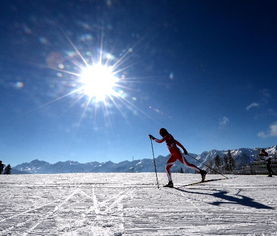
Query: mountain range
[242,156]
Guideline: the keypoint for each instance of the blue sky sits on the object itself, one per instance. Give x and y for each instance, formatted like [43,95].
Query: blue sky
[205,70]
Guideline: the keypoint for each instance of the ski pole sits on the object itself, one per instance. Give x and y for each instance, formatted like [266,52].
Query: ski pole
[154,163]
[208,167]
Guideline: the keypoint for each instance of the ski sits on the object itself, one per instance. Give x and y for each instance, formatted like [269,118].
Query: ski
[200,182]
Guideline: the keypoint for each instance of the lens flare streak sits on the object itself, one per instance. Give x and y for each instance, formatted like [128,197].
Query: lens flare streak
[98,82]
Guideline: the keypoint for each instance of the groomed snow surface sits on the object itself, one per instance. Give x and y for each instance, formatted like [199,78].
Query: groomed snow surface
[131,204]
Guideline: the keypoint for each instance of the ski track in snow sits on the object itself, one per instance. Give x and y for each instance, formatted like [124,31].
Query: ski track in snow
[119,204]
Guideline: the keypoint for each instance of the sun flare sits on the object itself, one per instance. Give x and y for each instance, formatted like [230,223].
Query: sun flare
[98,82]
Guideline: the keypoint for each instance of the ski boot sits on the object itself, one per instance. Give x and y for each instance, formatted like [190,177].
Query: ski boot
[203,175]
[169,185]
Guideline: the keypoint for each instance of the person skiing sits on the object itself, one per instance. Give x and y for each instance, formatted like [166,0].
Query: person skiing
[264,155]
[175,154]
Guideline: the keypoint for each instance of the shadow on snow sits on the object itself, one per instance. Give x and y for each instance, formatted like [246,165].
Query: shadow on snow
[223,194]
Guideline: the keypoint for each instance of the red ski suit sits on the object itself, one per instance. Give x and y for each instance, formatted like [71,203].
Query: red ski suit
[175,153]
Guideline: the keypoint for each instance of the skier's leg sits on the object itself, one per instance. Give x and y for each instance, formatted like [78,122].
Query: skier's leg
[202,172]
[185,162]
[269,169]
[167,168]
[169,164]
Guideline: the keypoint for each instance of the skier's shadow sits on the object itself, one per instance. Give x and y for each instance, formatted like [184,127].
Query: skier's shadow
[241,199]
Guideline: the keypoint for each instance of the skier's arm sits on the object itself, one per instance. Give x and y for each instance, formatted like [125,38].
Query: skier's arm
[155,139]
[159,140]
[181,146]
[263,156]
[263,153]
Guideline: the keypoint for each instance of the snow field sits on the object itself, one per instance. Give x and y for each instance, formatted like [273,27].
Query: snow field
[131,204]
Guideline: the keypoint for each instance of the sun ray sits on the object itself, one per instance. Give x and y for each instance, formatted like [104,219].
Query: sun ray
[99,81]
[84,111]
[54,100]
[75,48]
[64,71]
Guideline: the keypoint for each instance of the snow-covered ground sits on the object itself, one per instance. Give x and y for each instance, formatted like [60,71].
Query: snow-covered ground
[130,204]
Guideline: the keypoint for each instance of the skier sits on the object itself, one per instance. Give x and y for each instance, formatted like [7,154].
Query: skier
[7,170]
[175,154]
[1,167]
[264,155]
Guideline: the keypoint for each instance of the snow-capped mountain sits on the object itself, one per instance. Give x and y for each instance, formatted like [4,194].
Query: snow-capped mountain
[242,156]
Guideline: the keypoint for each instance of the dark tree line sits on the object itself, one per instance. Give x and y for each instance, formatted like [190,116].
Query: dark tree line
[225,164]
[5,169]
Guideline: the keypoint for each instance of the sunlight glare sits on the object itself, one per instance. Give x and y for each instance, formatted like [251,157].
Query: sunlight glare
[98,81]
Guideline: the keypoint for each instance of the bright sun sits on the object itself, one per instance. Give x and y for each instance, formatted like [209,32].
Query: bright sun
[98,82]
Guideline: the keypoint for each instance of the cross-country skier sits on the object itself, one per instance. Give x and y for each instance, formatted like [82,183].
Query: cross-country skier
[267,158]
[175,154]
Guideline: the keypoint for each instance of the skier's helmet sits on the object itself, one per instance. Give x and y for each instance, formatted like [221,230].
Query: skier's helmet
[163,132]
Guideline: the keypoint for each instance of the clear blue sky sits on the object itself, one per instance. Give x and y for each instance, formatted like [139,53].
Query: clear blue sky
[205,70]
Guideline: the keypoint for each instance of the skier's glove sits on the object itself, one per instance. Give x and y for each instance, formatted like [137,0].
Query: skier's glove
[151,137]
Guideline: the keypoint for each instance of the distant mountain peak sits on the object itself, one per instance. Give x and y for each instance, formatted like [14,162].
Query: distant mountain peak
[241,155]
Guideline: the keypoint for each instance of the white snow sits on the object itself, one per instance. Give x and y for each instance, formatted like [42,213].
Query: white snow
[131,204]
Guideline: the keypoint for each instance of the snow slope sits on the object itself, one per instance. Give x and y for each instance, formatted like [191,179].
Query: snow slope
[131,204]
